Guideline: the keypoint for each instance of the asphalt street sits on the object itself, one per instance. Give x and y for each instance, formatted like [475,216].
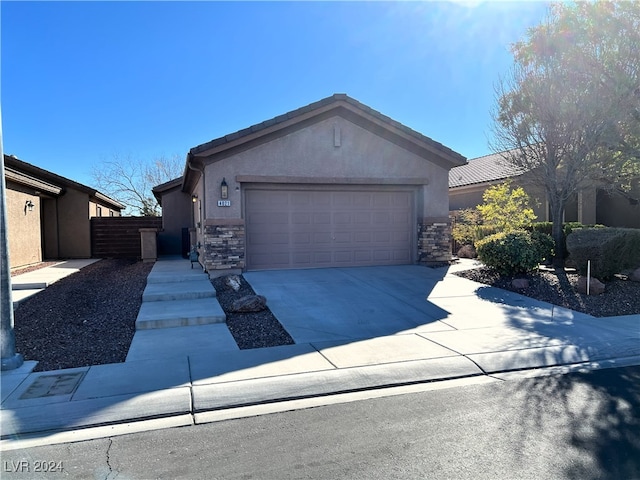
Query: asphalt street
[573,426]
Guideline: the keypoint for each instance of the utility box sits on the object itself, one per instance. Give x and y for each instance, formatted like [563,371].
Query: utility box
[149,244]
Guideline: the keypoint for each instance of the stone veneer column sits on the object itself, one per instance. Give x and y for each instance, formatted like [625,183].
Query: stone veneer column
[434,241]
[223,246]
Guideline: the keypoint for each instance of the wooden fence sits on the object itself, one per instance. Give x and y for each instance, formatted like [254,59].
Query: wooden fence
[119,237]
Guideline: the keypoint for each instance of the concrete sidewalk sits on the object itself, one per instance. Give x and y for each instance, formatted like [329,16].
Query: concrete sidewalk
[196,374]
[28,284]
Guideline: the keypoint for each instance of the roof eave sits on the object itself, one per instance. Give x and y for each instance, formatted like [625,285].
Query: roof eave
[343,106]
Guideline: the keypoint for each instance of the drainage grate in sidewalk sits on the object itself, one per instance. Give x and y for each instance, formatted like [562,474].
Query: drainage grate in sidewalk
[51,385]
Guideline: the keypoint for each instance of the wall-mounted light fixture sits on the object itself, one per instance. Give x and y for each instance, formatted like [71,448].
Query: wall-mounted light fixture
[194,198]
[224,189]
[28,206]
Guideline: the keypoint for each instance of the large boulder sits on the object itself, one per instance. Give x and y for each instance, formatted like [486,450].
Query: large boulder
[249,303]
[520,283]
[467,251]
[232,282]
[596,287]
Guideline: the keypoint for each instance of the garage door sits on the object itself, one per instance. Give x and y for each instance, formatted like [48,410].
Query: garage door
[328,228]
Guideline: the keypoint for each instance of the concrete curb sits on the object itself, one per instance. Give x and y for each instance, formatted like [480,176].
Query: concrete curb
[199,401]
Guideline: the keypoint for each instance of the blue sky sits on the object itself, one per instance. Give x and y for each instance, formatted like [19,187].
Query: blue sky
[83,82]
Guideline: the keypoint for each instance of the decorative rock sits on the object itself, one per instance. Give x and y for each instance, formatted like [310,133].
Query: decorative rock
[249,303]
[596,287]
[467,251]
[635,276]
[520,283]
[233,282]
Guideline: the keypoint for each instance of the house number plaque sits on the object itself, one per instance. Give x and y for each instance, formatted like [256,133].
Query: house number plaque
[224,203]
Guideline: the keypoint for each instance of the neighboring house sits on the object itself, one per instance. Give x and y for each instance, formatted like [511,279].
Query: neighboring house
[177,218]
[468,182]
[334,183]
[48,215]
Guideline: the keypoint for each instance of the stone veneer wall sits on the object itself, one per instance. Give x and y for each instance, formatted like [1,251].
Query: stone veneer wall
[223,247]
[434,242]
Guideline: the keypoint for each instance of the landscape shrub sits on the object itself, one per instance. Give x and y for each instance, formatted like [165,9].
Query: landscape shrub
[514,252]
[567,228]
[464,225]
[545,245]
[611,250]
[506,208]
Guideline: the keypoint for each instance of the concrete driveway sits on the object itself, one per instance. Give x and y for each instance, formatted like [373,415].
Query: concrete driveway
[352,303]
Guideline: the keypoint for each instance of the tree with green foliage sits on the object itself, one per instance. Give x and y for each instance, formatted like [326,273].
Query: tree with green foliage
[506,208]
[569,112]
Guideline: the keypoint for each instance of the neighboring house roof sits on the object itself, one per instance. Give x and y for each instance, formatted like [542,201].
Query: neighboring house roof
[158,190]
[22,172]
[337,104]
[489,168]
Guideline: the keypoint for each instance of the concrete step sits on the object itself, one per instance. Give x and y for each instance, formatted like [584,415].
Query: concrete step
[169,291]
[19,296]
[28,285]
[179,313]
[176,276]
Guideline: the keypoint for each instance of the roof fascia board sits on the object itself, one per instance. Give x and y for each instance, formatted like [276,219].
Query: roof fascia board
[29,181]
[247,138]
[108,200]
[168,187]
[404,140]
[176,182]
[249,135]
[22,166]
[193,170]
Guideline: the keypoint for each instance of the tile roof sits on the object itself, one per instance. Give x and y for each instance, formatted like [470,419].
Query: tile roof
[337,97]
[483,169]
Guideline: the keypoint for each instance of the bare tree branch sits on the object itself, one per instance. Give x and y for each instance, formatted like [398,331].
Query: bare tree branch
[130,181]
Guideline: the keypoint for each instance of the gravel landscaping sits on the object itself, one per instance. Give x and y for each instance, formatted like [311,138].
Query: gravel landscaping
[621,296]
[88,318]
[250,330]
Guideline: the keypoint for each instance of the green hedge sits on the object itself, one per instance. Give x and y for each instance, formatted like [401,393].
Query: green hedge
[611,250]
[567,228]
[514,252]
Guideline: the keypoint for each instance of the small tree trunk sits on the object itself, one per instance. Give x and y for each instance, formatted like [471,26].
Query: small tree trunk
[558,237]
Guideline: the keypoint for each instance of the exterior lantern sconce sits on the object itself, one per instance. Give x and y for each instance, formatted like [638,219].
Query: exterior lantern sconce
[194,198]
[28,206]
[224,190]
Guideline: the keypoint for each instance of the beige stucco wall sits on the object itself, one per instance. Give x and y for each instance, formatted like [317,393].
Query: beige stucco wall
[311,153]
[23,227]
[616,210]
[106,210]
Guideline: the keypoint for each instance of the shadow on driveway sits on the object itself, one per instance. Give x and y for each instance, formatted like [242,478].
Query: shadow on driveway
[345,304]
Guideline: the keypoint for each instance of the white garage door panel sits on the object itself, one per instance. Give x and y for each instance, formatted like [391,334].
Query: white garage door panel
[306,229]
